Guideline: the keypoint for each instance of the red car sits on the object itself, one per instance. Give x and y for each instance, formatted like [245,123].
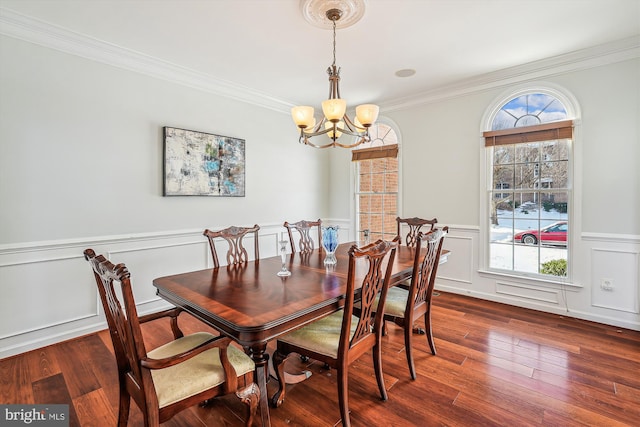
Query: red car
[554,234]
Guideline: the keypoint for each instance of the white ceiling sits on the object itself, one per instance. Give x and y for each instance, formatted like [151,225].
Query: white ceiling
[267,47]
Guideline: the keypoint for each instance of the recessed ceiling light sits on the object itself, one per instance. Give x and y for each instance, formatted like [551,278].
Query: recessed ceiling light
[407,72]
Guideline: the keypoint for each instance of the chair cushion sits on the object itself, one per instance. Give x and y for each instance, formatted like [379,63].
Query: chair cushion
[396,303]
[197,374]
[321,336]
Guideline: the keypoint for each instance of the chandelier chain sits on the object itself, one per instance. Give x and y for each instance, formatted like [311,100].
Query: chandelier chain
[334,42]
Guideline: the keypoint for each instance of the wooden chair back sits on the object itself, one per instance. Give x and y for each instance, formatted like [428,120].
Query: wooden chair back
[306,244]
[122,316]
[425,269]
[368,331]
[236,254]
[414,224]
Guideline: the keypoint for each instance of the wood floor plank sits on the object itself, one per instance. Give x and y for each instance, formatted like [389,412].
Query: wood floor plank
[496,365]
[15,378]
[88,416]
[55,390]
[80,376]
[581,399]
[42,364]
[498,415]
[628,394]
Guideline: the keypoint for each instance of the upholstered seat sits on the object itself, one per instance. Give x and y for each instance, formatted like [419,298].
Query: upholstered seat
[321,336]
[396,302]
[199,373]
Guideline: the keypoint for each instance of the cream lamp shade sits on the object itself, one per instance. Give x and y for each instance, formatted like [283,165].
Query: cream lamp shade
[367,114]
[334,109]
[303,116]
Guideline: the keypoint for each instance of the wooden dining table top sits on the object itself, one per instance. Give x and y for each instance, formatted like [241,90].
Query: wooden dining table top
[251,303]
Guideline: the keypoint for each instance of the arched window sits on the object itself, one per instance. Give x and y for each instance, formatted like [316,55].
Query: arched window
[529,194]
[376,190]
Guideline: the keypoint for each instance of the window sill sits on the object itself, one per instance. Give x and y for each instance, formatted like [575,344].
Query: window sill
[530,279]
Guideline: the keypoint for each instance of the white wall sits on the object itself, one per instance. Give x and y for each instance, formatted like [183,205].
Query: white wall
[441,156]
[81,152]
[81,155]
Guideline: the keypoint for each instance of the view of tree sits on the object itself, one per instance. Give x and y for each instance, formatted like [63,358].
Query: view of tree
[528,173]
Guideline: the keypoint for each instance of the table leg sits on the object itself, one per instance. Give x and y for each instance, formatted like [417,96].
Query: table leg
[261,359]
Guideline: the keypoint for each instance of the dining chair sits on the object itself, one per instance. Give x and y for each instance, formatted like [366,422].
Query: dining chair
[342,337]
[306,244]
[236,254]
[405,306]
[414,224]
[177,375]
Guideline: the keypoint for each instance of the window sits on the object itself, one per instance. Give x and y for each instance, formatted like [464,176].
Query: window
[376,190]
[529,189]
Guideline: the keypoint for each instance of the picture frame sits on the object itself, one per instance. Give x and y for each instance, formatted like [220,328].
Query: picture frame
[203,164]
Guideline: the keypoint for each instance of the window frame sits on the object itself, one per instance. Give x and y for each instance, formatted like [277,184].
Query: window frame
[355,178]
[574,185]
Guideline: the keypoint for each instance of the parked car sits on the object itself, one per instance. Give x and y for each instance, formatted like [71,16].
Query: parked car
[554,234]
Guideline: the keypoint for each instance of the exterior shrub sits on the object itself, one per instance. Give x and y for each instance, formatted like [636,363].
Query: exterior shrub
[555,267]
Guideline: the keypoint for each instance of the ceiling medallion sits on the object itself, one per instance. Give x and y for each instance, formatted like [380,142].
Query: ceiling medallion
[315,12]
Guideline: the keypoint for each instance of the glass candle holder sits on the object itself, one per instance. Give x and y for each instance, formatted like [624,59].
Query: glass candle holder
[283,256]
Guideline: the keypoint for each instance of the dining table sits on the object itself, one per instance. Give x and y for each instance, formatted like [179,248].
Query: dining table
[252,305]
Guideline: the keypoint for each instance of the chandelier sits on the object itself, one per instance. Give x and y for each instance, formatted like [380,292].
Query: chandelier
[335,121]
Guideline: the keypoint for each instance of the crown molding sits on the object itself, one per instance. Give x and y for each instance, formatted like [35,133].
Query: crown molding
[39,32]
[618,51]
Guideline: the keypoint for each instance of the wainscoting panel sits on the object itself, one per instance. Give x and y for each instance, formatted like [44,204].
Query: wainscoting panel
[47,292]
[528,292]
[614,275]
[151,261]
[459,265]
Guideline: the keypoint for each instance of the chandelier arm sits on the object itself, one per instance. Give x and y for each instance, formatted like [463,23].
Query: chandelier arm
[349,132]
[305,138]
[351,125]
[334,144]
[316,133]
[306,141]
[355,144]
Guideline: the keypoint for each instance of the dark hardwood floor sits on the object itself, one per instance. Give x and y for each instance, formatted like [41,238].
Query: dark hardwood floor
[496,365]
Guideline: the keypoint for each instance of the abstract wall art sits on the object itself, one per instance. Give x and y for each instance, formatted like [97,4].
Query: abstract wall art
[203,164]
